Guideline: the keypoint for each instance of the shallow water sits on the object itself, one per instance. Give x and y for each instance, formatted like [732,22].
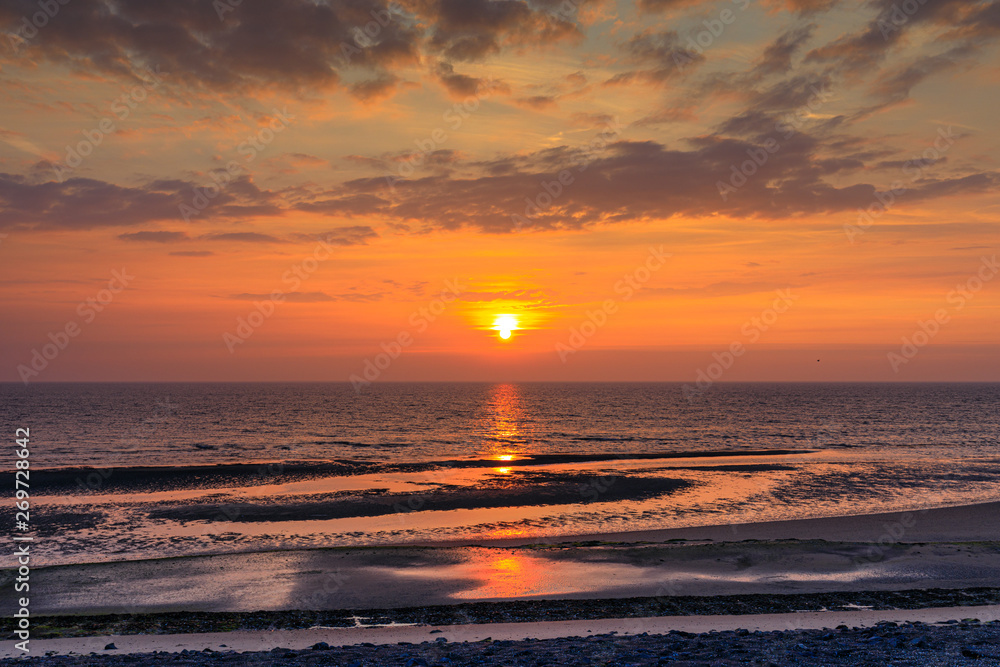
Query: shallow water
[137,469]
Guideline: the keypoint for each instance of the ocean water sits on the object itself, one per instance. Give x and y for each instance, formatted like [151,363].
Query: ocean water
[149,470]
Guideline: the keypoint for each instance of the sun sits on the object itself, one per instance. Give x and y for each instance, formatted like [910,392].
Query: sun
[505,325]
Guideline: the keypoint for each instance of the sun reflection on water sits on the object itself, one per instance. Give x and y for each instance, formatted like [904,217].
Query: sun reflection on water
[504,422]
[503,574]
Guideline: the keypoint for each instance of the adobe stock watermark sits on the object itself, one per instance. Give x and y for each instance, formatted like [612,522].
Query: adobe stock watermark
[59,340]
[914,168]
[264,309]
[30,25]
[454,117]
[550,191]
[957,298]
[121,107]
[751,331]
[627,287]
[898,16]
[223,7]
[740,174]
[420,320]
[248,150]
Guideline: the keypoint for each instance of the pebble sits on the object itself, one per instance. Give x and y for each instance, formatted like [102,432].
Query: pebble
[882,645]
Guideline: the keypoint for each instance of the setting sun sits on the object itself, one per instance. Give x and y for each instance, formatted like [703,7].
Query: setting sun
[505,325]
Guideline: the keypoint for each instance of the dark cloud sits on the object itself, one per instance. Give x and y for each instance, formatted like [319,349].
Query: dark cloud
[244,237]
[645,180]
[467,30]
[300,46]
[193,253]
[83,203]
[343,236]
[895,86]
[661,56]
[802,6]
[155,237]
[650,6]
[537,102]
[375,89]
[860,51]
[357,205]
[461,86]
[811,171]
[982,21]
[777,56]
[293,45]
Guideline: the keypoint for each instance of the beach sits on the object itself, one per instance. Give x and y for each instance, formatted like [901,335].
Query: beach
[777,577]
[597,521]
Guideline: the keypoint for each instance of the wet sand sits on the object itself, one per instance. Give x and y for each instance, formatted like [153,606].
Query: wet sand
[957,547]
[871,556]
[962,523]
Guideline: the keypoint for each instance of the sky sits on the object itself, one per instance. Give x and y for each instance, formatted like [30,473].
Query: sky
[348,190]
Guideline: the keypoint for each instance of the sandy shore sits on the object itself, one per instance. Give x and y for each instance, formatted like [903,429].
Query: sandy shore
[955,547]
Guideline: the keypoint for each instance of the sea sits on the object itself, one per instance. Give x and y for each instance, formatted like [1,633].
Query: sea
[149,470]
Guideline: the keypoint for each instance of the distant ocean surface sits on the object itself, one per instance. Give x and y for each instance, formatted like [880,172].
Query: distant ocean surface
[150,470]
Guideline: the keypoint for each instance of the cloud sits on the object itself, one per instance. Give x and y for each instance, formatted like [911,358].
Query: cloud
[290,297]
[862,50]
[155,237]
[244,237]
[777,56]
[650,6]
[297,45]
[467,30]
[193,253]
[375,89]
[662,53]
[813,171]
[895,86]
[83,203]
[462,86]
[537,102]
[637,180]
[802,6]
[356,205]
[343,236]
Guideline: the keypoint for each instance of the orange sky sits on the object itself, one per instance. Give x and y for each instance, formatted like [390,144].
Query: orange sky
[635,182]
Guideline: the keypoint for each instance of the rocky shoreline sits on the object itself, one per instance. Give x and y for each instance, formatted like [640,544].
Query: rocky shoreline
[959,643]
